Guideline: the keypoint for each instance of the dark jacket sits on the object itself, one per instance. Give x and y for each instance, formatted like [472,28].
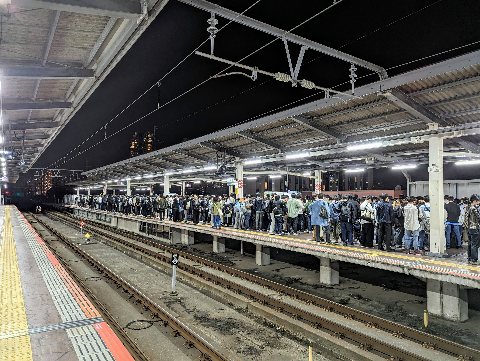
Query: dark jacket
[384,212]
[453,212]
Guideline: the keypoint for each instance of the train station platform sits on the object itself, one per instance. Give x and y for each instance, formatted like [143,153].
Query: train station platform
[447,280]
[44,315]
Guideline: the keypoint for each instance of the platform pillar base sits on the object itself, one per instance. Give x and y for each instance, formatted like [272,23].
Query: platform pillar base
[218,244]
[447,300]
[262,255]
[329,272]
[187,237]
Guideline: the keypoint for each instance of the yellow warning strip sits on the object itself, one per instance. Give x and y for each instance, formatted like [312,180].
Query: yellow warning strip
[13,317]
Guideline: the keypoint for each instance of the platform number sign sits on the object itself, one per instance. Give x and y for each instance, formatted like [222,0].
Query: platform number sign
[175,258]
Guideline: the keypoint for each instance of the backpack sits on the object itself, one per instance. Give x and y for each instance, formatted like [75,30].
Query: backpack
[345,212]
[425,217]
[323,212]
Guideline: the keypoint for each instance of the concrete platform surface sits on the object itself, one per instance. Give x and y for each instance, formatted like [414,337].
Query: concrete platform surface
[44,315]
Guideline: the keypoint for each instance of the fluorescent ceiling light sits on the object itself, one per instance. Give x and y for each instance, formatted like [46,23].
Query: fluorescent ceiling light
[191,170]
[355,170]
[138,177]
[363,146]
[149,176]
[252,161]
[404,166]
[197,182]
[251,178]
[168,173]
[274,176]
[209,167]
[297,155]
[468,162]
[307,174]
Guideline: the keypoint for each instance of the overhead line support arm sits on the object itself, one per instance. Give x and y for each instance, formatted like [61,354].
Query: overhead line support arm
[282,34]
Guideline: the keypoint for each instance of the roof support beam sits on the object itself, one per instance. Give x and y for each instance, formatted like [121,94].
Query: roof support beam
[38,105]
[31,125]
[309,123]
[411,106]
[282,34]
[129,9]
[44,72]
[403,101]
[218,148]
[198,157]
[252,136]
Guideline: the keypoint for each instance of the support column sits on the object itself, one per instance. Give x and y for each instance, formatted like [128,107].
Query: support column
[105,189]
[239,179]
[187,237]
[183,188]
[329,272]
[218,244]
[113,190]
[78,192]
[129,187]
[88,191]
[447,300]
[435,191]
[262,255]
[166,184]
[318,181]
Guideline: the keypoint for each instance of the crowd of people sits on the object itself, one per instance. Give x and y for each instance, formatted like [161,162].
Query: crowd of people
[383,222]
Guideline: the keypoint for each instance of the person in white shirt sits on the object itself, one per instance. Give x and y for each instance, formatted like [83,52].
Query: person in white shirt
[412,226]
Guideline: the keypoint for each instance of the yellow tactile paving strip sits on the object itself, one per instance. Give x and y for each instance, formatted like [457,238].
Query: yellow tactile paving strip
[13,317]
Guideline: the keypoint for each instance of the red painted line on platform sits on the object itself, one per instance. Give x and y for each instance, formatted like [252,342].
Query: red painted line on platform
[109,338]
[116,347]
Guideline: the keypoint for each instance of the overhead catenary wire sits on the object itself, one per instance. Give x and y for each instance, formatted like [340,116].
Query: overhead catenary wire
[156,84]
[188,90]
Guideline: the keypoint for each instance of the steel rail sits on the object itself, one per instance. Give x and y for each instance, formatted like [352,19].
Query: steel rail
[179,328]
[396,329]
[127,340]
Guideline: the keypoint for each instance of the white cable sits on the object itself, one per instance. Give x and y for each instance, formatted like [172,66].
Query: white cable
[194,87]
[153,85]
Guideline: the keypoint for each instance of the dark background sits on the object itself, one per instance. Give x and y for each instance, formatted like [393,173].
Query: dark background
[386,33]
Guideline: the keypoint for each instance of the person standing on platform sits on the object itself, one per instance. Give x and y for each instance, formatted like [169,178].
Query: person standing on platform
[367,217]
[384,223]
[217,213]
[452,223]
[472,225]
[293,207]
[412,226]
[320,218]
[347,218]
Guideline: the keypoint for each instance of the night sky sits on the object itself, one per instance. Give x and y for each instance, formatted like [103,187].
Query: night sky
[386,33]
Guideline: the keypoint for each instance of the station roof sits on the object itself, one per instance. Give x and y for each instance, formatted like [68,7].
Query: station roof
[54,54]
[386,122]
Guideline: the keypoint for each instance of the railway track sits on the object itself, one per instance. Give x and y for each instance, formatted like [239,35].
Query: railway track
[138,243]
[192,339]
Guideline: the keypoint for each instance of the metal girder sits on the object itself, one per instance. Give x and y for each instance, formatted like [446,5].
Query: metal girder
[31,125]
[129,9]
[36,105]
[442,87]
[283,34]
[418,110]
[199,157]
[247,134]
[218,148]
[469,146]
[309,123]
[403,101]
[44,72]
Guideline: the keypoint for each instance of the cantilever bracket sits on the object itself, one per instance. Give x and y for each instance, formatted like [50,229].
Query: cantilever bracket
[294,72]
